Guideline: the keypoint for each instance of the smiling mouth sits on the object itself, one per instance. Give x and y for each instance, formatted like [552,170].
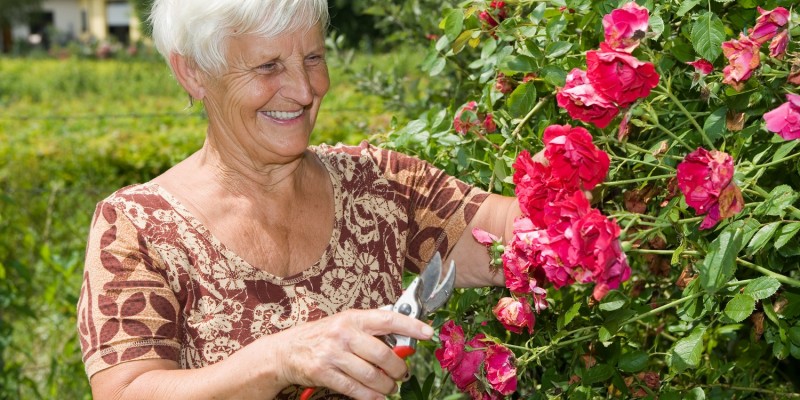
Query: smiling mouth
[283,115]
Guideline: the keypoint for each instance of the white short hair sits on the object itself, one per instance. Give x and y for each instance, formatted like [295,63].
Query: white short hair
[197,29]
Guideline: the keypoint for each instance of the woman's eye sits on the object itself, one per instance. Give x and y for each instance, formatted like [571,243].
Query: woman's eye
[315,59]
[268,67]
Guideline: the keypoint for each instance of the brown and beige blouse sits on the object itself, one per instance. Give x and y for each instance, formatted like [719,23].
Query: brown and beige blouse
[158,284]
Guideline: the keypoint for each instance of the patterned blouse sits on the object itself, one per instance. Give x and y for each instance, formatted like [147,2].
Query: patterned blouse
[158,285]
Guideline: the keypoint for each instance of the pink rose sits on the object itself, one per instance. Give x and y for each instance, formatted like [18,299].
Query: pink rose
[702,66]
[619,76]
[500,370]
[768,24]
[785,120]
[704,178]
[483,237]
[515,314]
[625,26]
[573,156]
[777,47]
[582,101]
[527,250]
[466,118]
[743,57]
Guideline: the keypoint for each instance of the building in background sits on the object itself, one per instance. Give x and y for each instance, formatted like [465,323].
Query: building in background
[60,21]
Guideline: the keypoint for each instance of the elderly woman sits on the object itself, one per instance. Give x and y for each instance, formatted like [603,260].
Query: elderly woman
[256,266]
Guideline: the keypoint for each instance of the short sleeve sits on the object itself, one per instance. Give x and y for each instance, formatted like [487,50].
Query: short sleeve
[126,310]
[440,205]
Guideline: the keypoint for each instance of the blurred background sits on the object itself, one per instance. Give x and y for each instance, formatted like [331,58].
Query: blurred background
[88,106]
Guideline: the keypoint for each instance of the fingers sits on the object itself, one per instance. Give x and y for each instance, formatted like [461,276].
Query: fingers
[342,352]
[381,322]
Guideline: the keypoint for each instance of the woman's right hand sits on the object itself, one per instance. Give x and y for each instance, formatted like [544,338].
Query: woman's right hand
[344,353]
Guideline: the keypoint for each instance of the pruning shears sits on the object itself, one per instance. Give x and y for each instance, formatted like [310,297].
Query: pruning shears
[425,294]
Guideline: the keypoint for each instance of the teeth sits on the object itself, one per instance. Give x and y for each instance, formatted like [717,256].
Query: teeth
[283,115]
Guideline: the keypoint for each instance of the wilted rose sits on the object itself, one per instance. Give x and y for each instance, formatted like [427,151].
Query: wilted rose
[583,102]
[743,57]
[488,124]
[503,84]
[785,119]
[777,47]
[619,76]
[703,177]
[625,27]
[515,314]
[768,24]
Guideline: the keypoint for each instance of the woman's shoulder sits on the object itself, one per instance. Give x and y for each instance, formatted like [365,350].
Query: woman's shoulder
[388,160]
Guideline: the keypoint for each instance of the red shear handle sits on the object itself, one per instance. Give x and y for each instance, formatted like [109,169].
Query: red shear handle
[401,351]
[404,351]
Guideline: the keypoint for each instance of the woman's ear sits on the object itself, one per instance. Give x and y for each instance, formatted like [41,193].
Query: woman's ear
[188,75]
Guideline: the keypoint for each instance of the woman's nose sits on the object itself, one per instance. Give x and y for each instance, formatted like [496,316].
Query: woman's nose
[298,87]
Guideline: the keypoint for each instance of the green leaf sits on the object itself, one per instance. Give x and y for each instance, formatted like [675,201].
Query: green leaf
[516,63]
[598,373]
[613,301]
[714,125]
[437,67]
[778,200]
[762,237]
[786,234]
[794,335]
[553,75]
[686,6]
[686,352]
[762,288]
[634,361]
[557,49]
[500,169]
[522,100]
[784,150]
[720,263]
[411,390]
[708,33]
[555,27]
[453,23]
[740,307]
[656,25]
[571,313]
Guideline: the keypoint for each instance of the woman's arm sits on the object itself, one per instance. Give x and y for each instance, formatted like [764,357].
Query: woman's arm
[496,215]
[340,352]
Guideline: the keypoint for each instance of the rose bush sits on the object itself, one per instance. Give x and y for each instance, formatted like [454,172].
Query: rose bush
[653,150]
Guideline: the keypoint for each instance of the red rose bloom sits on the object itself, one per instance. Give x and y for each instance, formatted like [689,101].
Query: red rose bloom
[583,102]
[706,179]
[536,186]
[573,157]
[620,77]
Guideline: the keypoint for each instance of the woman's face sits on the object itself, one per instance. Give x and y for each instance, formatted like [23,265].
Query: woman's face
[266,102]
